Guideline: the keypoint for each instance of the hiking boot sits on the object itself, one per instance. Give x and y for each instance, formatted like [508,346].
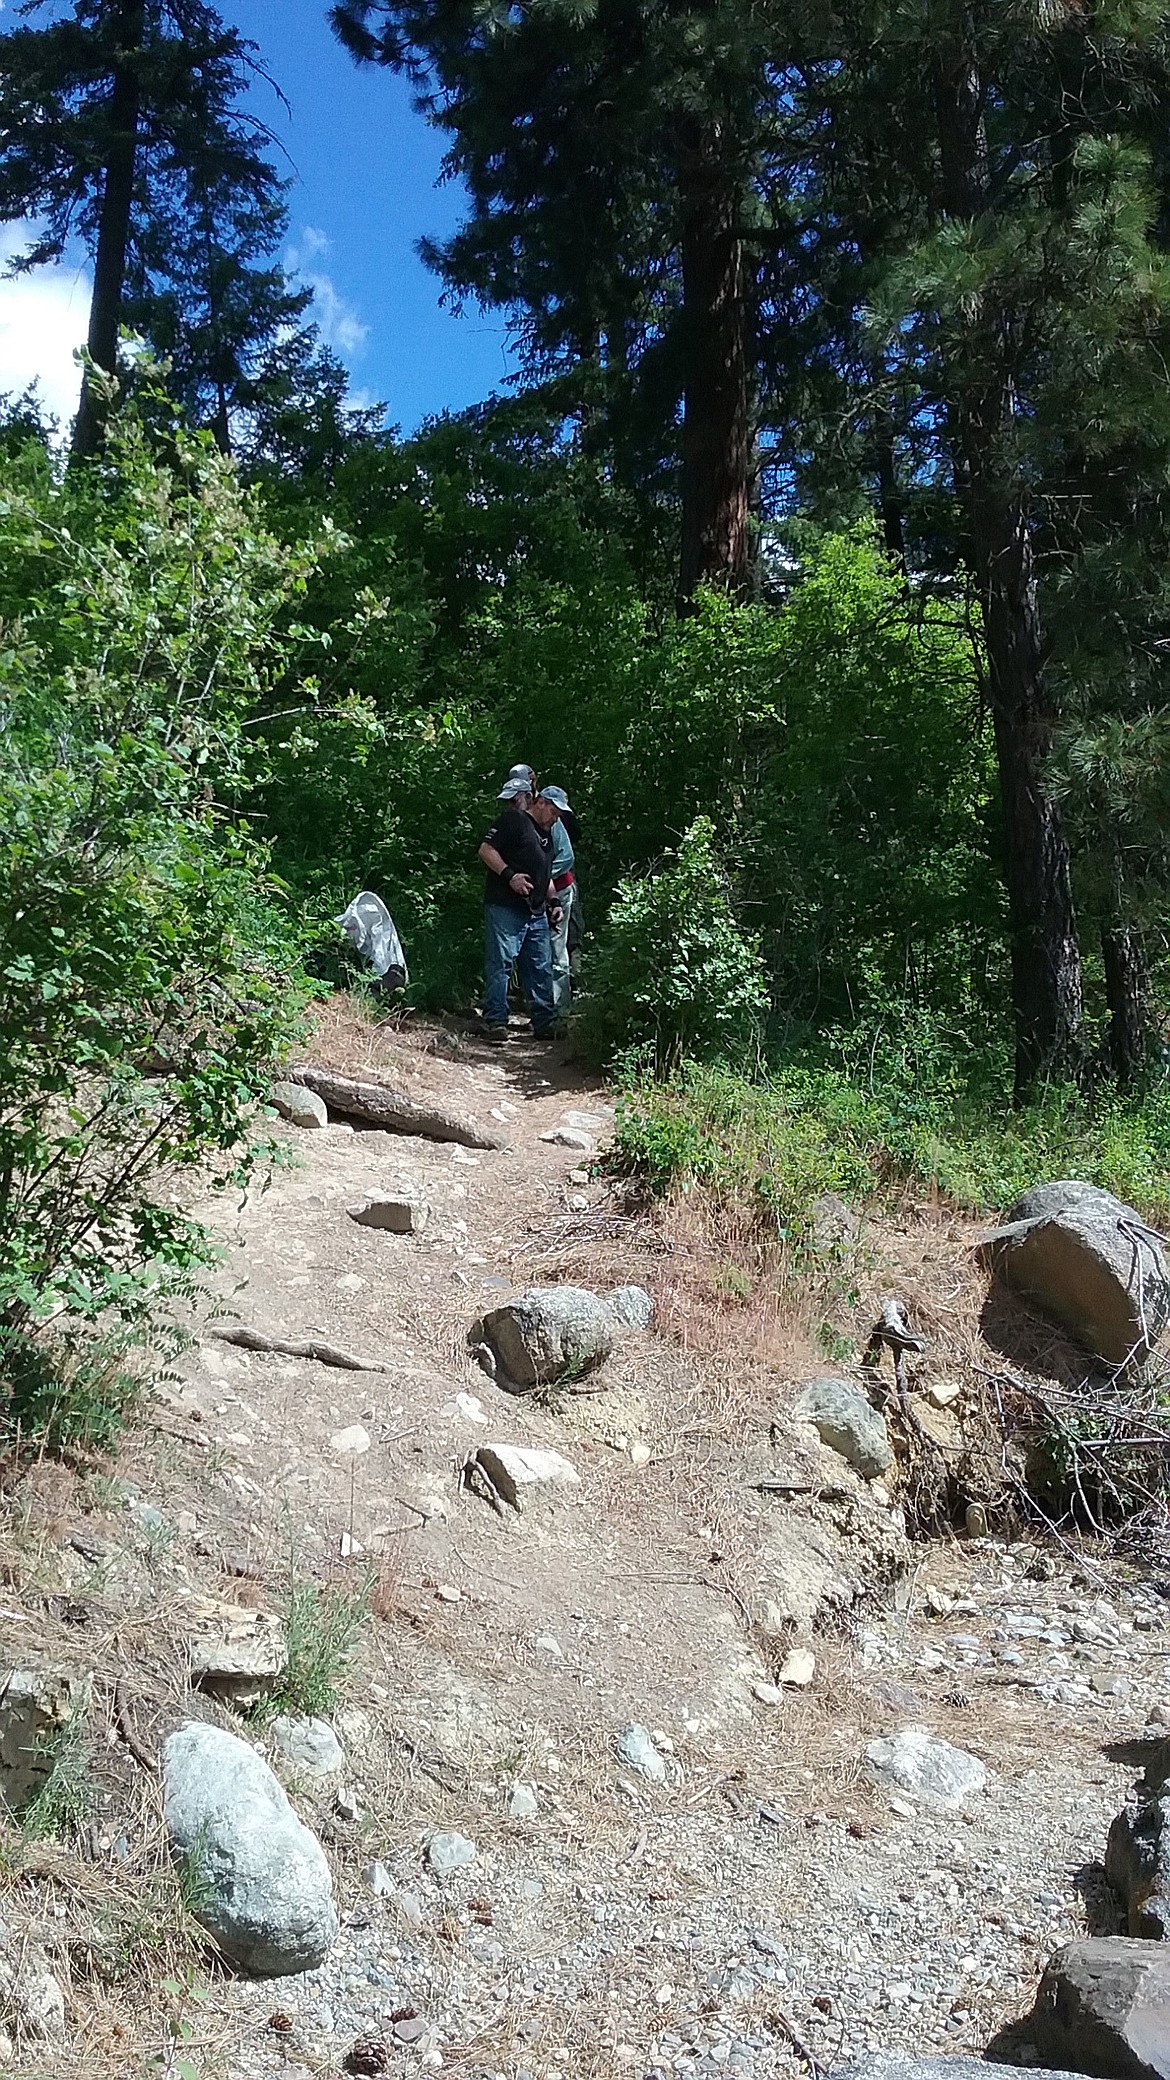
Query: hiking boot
[495,1035]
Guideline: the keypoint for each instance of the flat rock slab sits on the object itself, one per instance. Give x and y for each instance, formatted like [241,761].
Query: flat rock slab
[926,1768]
[265,1889]
[397,1216]
[636,1747]
[240,1667]
[1104,2007]
[447,1852]
[550,1333]
[846,1421]
[1087,1262]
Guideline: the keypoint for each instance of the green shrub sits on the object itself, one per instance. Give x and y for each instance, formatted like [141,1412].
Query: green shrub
[901,1111]
[148,977]
[323,1630]
[673,975]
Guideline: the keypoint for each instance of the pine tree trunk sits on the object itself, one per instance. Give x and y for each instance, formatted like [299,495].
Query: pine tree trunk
[1046,961]
[716,435]
[114,223]
[1127,979]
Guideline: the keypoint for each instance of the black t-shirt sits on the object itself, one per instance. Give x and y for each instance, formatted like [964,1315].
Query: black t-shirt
[526,850]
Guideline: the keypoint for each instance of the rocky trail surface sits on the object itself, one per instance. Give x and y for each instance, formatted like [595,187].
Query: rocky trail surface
[642,1778]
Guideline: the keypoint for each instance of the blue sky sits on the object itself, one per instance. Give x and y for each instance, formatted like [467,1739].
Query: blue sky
[366,169]
[366,188]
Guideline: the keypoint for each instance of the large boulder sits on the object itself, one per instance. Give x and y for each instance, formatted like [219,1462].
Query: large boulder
[301,1107]
[264,1886]
[1104,2007]
[549,1333]
[1087,1262]
[1137,1865]
[844,1419]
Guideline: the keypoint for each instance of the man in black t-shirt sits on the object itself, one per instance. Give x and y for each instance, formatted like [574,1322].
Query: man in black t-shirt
[518,899]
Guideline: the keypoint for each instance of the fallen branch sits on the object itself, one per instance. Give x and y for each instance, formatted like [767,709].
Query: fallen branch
[380,1105]
[124,1720]
[323,1353]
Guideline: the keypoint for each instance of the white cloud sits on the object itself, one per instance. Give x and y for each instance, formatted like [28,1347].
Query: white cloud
[44,317]
[340,326]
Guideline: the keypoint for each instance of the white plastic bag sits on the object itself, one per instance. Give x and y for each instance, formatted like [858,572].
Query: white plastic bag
[369,927]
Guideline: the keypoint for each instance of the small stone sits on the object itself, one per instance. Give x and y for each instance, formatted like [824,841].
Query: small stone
[351,1282]
[511,1467]
[468,1406]
[36,1706]
[636,1748]
[943,1392]
[767,1693]
[976,1520]
[408,1907]
[378,1879]
[355,1439]
[926,1768]
[1105,1683]
[546,1644]
[346,1807]
[302,1107]
[395,1216]
[241,1668]
[799,1668]
[310,1745]
[32,2005]
[578,1177]
[845,1420]
[640,1454]
[450,1852]
[409,2028]
[523,1803]
[632,1305]
[349,1547]
[570,1137]
[448,1593]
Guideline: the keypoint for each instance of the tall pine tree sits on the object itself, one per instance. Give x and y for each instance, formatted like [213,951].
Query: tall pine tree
[123,126]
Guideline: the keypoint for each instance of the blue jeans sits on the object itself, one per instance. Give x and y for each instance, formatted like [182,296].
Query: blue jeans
[511,935]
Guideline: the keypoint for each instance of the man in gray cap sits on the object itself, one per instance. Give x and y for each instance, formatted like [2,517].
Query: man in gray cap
[519,908]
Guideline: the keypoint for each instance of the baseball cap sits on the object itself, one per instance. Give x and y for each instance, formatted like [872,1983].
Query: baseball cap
[558,798]
[523,772]
[511,788]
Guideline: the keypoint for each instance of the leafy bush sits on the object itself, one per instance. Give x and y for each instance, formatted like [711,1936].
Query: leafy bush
[147,976]
[879,1115]
[673,974]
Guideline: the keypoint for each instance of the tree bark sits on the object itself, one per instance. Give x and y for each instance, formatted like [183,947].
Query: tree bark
[114,223]
[717,450]
[1127,992]
[980,388]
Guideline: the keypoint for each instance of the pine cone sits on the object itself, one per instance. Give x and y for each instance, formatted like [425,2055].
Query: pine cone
[369,2055]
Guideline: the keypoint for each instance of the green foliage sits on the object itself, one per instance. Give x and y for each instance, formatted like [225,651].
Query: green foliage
[61,1806]
[917,1107]
[673,974]
[323,1630]
[148,977]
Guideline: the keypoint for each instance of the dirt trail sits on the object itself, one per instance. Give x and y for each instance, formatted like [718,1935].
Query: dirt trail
[762,1906]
